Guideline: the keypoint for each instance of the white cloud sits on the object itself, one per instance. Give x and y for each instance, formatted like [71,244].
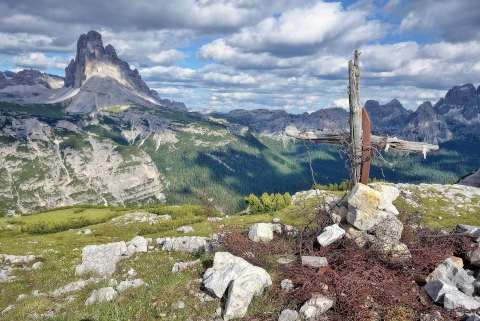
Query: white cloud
[166,57]
[39,60]
[168,72]
[341,103]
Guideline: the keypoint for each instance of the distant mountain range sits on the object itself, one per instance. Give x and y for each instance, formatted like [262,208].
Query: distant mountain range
[457,115]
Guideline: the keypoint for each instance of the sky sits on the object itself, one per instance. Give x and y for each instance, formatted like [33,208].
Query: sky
[276,54]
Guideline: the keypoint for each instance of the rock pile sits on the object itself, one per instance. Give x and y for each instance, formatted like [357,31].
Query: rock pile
[140,217]
[370,219]
[242,280]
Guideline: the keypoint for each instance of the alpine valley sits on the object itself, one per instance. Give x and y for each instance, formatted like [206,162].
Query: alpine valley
[71,140]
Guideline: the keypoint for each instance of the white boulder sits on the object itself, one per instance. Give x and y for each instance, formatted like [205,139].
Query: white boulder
[242,279]
[288,315]
[261,232]
[315,307]
[185,229]
[314,261]
[330,235]
[184,243]
[102,295]
[101,259]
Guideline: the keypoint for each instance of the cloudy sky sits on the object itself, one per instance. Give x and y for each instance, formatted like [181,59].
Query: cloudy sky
[227,54]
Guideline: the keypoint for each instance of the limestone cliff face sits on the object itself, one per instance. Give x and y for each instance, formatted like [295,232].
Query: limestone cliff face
[93,59]
[41,169]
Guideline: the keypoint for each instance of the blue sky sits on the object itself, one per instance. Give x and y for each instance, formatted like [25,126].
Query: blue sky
[228,54]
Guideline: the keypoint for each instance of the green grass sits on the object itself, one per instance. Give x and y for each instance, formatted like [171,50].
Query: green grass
[52,111]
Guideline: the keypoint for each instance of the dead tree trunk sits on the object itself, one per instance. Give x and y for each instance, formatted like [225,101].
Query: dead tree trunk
[355,117]
[367,146]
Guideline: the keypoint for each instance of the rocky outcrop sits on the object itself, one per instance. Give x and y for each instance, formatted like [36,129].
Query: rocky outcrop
[102,259]
[93,59]
[242,280]
[30,77]
[471,180]
[190,244]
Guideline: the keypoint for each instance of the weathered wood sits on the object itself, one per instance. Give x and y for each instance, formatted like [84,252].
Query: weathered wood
[366,147]
[378,142]
[355,117]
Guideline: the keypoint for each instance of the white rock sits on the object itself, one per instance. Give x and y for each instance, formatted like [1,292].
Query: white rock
[85,232]
[101,259]
[140,217]
[315,307]
[276,220]
[288,315]
[37,265]
[127,284]
[243,279]
[131,272]
[459,300]
[261,232]
[137,244]
[388,194]
[73,286]
[314,261]
[330,235]
[183,244]
[185,229]
[286,285]
[21,297]
[6,274]
[182,266]
[17,259]
[179,305]
[101,295]
[8,308]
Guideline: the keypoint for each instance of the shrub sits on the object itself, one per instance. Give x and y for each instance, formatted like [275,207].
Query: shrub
[267,202]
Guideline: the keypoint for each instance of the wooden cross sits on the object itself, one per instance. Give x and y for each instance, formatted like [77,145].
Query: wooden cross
[360,139]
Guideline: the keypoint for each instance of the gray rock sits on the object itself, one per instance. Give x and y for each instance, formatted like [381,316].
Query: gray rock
[17,259]
[286,285]
[316,307]
[388,230]
[470,230]
[285,260]
[37,265]
[473,317]
[101,259]
[185,229]
[388,194]
[128,284]
[314,261]
[330,235]
[459,300]
[189,244]
[182,266]
[6,274]
[140,217]
[179,305]
[288,315]
[73,286]
[101,295]
[261,232]
[243,280]
[450,273]
[474,256]
[137,244]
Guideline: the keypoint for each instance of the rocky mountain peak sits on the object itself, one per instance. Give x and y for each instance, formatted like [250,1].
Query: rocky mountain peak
[94,60]
[464,95]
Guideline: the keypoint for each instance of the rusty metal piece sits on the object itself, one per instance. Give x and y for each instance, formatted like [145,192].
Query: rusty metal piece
[366,147]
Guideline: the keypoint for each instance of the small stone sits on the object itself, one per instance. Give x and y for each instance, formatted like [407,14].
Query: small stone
[285,260]
[21,297]
[37,265]
[288,315]
[101,295]
[286,285]
[315,307]
[182,266]
[276,220]
[131,272]
[330,235]
[185,229]
[179,305]
[314,261]
[127,284]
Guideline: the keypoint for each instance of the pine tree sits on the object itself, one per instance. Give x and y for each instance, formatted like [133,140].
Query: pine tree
[288,198]
[254,204]
[267,202]
[279,201]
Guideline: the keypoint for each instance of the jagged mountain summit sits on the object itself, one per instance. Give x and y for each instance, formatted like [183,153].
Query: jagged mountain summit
[457,115]
[95,80]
